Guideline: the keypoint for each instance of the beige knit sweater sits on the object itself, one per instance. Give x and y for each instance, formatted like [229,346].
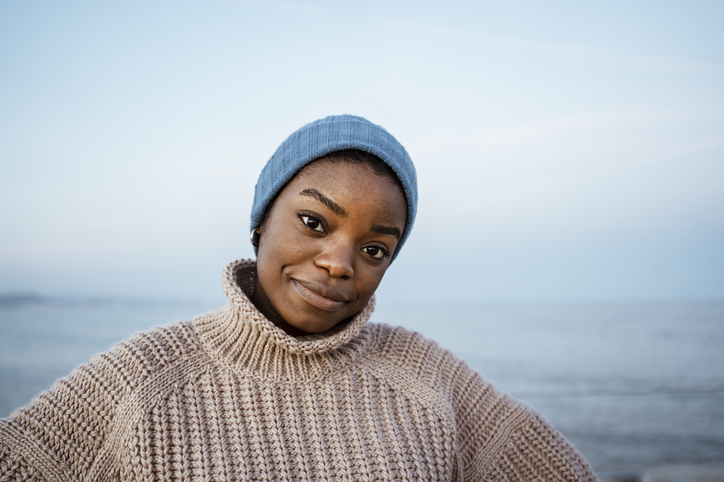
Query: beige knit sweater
[229,396]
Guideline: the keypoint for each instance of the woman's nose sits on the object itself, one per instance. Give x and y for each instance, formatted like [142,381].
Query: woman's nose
[337,259]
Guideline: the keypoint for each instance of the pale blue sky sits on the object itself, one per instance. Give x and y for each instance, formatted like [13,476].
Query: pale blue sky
[567,151]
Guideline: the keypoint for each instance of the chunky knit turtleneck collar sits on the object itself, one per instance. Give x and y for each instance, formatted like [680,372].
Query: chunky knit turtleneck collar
[242,337]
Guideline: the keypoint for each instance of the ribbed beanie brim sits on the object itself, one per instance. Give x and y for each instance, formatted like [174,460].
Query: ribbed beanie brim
[322,137]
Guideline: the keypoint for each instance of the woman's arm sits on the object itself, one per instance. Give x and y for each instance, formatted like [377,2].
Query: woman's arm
[71,432]
[58,435]
[500,439]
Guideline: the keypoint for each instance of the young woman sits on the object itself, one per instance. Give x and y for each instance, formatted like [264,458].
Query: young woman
[290,380]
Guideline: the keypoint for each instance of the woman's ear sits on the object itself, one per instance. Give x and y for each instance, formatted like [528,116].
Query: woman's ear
[254,237]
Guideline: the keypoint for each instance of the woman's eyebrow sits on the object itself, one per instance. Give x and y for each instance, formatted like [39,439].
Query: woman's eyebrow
[336,208]
[376,228]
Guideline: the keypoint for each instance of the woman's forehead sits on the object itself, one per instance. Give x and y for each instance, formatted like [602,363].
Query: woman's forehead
[338,169]
[357,177]
[342,186]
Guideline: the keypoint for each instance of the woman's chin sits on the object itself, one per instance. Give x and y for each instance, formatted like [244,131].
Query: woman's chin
[313,326]
[308,319]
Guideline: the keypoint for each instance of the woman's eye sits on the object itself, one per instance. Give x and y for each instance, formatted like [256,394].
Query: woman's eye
[312,223]
[375,251]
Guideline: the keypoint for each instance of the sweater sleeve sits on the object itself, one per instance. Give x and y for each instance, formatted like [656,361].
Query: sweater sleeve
[57,436]
[64,433]
[500,439]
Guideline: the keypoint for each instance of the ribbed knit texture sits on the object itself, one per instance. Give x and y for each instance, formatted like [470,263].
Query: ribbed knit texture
[229,396]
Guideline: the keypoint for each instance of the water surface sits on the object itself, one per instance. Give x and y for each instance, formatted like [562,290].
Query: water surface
[632,386]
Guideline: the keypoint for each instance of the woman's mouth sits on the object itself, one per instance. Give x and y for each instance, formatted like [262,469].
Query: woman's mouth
[317,300]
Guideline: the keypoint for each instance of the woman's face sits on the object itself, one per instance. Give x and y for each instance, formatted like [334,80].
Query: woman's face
[326,244]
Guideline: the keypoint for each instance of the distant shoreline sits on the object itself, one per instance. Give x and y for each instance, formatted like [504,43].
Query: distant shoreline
[9,300]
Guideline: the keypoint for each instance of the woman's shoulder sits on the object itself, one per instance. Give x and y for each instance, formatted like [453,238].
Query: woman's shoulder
[424,361]
[111,376]
[417,356]
[492,428]
[80,411]
[404,345]
[150,350]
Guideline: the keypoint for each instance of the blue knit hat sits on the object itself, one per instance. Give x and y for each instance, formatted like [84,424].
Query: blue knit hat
[322,137]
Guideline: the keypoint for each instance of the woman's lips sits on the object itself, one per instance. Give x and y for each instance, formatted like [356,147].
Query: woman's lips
[317,300]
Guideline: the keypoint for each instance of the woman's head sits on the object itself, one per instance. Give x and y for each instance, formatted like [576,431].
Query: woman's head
[334,224]
[325,136]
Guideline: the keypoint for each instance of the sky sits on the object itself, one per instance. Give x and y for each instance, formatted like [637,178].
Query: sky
[566,151]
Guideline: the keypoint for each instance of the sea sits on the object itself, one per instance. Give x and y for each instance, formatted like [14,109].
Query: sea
[635,387]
